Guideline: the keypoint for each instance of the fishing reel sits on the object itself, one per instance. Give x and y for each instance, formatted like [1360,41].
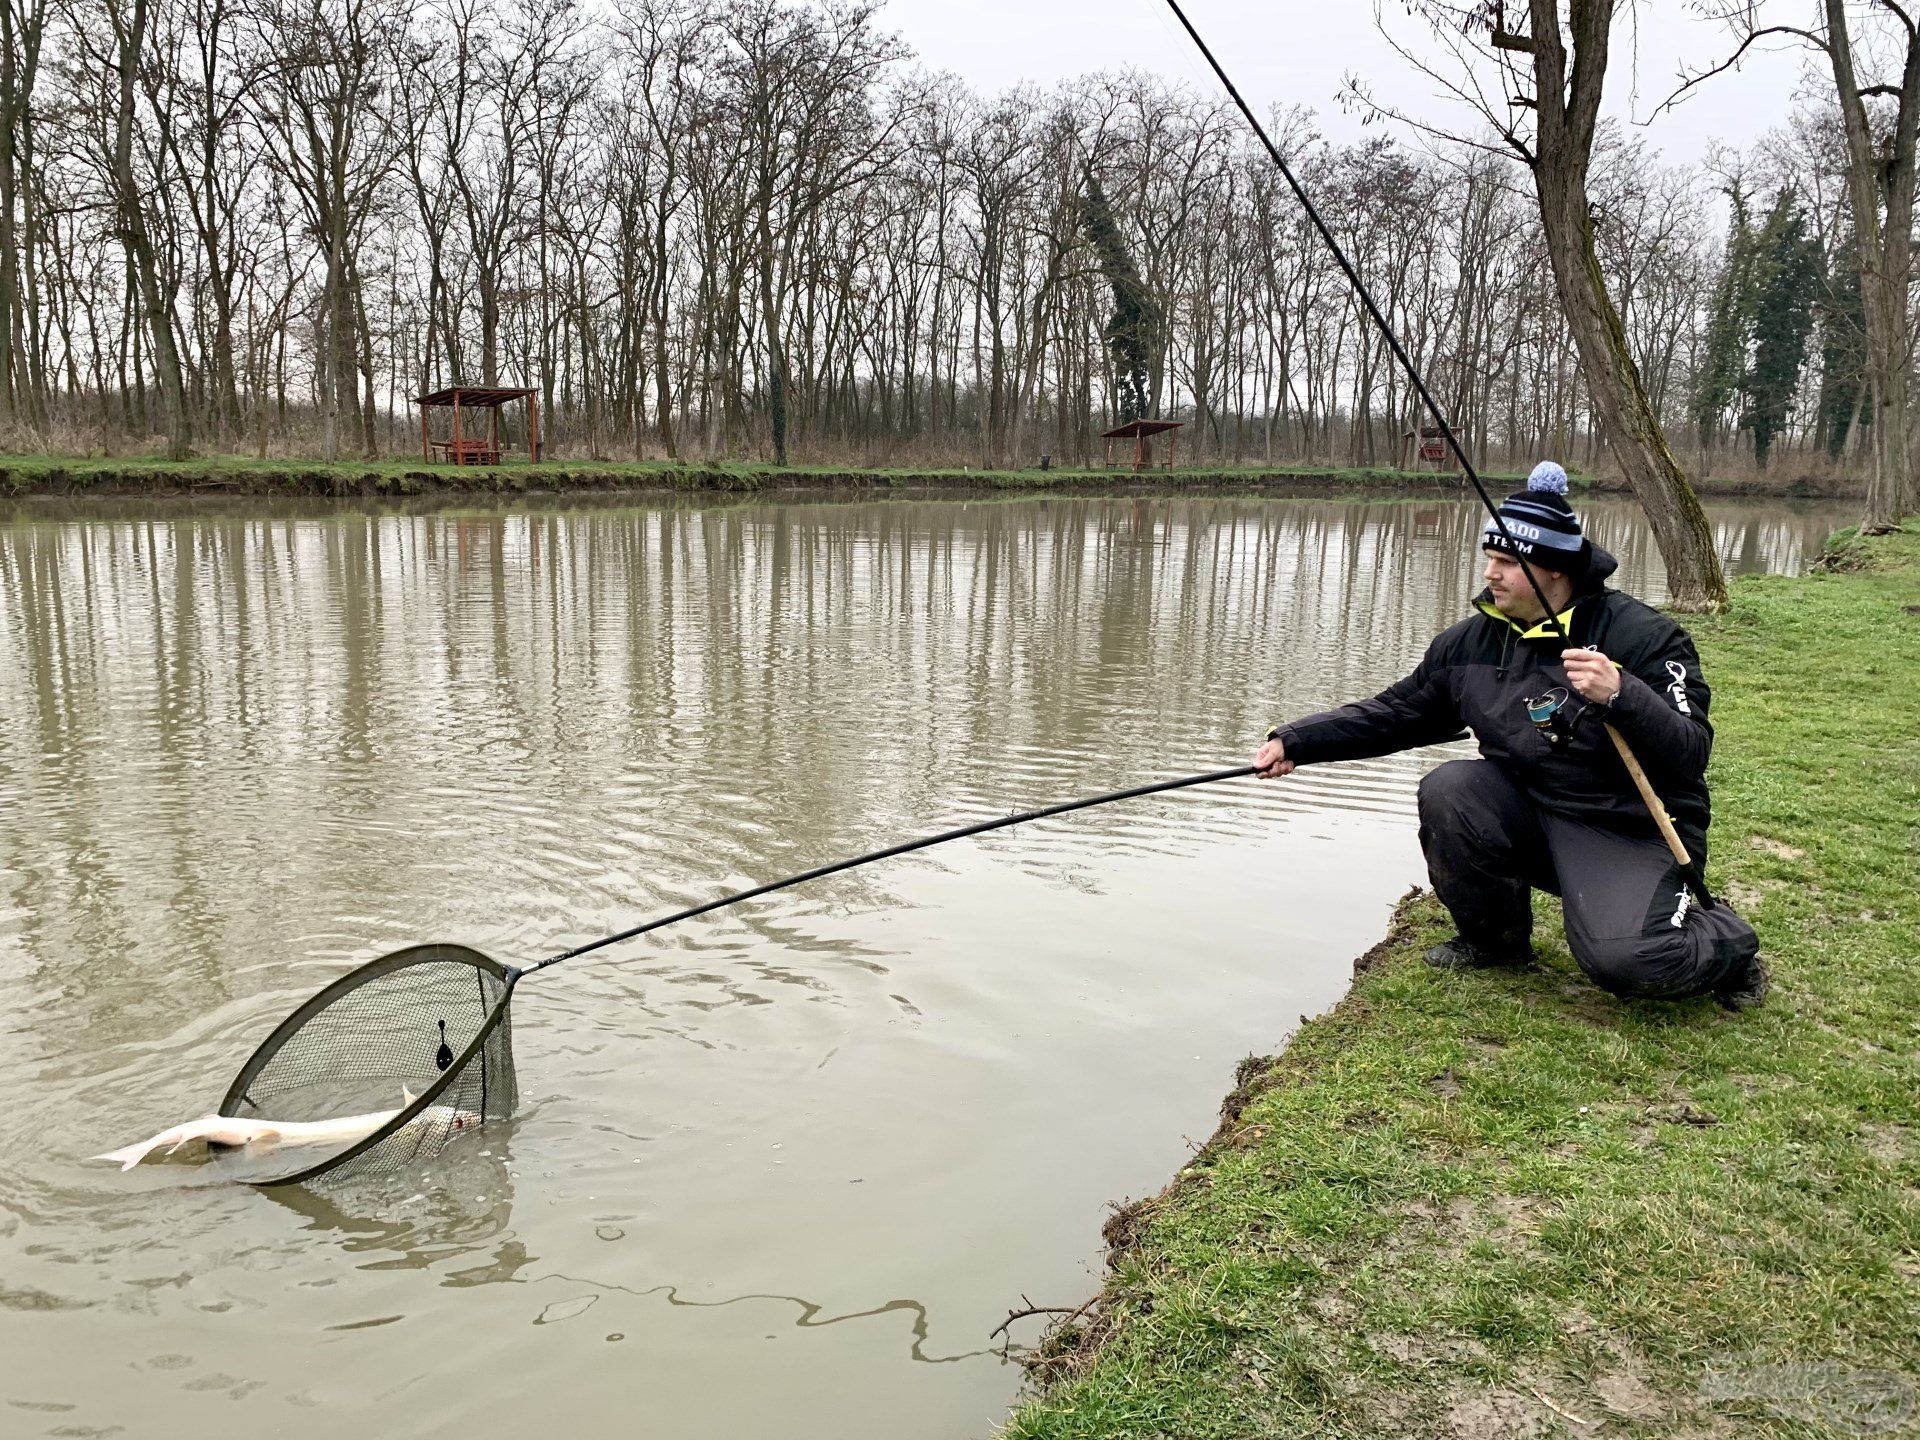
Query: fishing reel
[1548,713]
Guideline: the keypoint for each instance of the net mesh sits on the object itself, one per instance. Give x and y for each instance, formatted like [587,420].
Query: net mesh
[398,1025]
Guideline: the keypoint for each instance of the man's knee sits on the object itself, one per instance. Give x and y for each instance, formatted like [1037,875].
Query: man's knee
[1623,966]
[1669,959]
[1449,781]
[1659,965]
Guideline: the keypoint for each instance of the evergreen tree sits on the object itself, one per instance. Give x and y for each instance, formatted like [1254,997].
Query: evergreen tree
[1135,319]
[1843,351]
[1786,276]
[1729,327]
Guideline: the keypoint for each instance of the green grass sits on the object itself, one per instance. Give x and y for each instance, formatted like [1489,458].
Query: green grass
[1465,1204]
[68,475]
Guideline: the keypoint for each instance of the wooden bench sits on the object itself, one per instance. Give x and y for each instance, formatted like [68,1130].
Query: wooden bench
[468,452]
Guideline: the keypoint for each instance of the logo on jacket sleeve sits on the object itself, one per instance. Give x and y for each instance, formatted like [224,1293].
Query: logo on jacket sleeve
[1678,689]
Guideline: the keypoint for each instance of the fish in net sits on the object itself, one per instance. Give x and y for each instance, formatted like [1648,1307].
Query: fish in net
[431,1020]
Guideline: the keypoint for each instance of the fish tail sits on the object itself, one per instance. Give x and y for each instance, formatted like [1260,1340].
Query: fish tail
[128,1156]
[218,1131]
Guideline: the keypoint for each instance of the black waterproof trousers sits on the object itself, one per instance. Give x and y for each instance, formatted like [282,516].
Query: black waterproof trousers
[1632,924]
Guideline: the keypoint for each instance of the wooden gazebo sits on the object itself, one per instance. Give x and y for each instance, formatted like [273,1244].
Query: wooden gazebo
[461,449]
[1141,432]
[1427,445]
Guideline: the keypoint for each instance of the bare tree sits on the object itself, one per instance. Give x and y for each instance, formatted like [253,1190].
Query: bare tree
[333,142]
[1545,108]
[117,71]
[796,82]
[22,388]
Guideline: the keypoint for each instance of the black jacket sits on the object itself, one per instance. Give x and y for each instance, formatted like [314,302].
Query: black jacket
[1482,675]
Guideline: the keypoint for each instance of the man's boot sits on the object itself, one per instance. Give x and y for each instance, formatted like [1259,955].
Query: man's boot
[1459,954]
[1746,988]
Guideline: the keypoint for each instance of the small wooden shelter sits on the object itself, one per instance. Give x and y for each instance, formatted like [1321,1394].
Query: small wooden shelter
[1141,432]
[1427,445]
[461,449]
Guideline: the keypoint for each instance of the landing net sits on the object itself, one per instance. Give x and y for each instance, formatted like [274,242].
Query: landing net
[430,1021]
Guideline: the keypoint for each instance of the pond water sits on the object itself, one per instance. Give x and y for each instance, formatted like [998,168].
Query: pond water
[776,1171]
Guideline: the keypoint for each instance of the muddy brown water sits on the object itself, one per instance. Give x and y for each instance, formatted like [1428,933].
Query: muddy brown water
[779,1171]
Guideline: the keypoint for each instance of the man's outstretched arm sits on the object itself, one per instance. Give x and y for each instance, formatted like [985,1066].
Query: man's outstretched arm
[1418,710]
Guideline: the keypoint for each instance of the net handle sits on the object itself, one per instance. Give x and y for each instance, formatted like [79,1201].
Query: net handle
[902,849]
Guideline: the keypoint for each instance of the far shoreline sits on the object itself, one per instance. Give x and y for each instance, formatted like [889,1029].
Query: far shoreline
[23,477]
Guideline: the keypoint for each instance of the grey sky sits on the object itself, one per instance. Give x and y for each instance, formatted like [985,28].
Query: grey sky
[1301,51]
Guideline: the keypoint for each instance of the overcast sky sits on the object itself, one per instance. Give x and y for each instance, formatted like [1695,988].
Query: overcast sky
[1301,51]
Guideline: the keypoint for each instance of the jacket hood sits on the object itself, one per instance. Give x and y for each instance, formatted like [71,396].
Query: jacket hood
[1600,568]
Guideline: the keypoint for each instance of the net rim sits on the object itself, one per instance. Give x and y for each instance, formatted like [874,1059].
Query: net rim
[431,953]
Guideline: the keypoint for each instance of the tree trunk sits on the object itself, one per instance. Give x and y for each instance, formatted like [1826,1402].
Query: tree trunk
[336,353]
[1880,177]
[662,351]
[11,111]
[776,348]
[131,34]
[1564,151]
[366,398]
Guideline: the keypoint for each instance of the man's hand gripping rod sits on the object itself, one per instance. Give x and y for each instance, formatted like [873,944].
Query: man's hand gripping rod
[1695,878]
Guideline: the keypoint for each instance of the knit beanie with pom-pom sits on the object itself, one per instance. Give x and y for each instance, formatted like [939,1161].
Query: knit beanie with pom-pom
[1545,530]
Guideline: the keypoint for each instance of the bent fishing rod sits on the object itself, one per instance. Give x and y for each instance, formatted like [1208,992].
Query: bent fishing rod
[1690,869]
[904,848]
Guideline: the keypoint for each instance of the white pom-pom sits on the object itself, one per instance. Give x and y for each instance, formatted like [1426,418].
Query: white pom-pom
[1548,476]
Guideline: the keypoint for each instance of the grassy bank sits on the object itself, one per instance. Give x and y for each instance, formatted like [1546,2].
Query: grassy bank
[1497,1204]
[68,475]
[22,475]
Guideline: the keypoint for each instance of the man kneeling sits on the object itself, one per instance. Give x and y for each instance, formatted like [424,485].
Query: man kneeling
[1550,805]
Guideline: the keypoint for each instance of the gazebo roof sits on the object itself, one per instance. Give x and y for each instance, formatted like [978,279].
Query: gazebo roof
[1134,429]
[473,395]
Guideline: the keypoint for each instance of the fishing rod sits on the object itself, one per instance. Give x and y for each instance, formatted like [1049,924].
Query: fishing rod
[1689,868]
[904,848]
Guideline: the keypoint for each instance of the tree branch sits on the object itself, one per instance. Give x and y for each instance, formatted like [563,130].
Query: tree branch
[1900,14]
[1733,60]
[1029,1308]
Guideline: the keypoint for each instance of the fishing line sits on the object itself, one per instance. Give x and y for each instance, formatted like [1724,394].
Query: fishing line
[1689,868]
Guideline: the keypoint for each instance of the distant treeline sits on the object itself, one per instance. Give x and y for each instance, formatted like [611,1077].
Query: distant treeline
[744,228]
